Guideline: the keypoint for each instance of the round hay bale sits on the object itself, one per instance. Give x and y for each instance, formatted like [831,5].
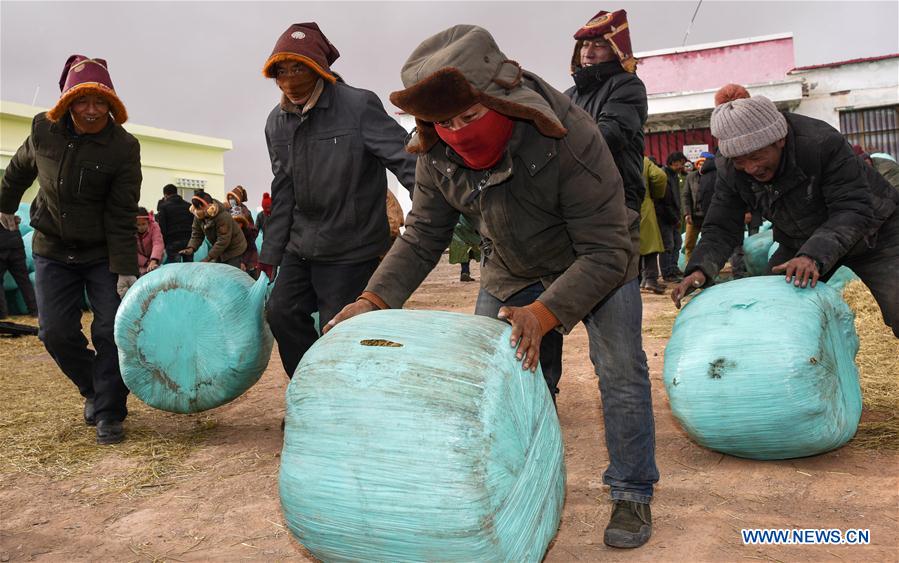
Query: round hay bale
[192,337]
[415,435]
[759,368]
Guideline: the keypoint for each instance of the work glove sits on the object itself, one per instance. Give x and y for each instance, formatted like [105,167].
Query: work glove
[123,284]
[8,221]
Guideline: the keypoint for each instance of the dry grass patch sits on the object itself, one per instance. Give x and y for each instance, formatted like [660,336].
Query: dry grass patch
[878,370]
[42,431]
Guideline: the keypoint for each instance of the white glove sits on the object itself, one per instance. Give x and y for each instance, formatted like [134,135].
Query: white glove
[8,221]
[123,284]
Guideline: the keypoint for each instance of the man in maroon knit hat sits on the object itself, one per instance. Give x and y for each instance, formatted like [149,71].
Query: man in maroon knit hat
[88,169]
[329,144]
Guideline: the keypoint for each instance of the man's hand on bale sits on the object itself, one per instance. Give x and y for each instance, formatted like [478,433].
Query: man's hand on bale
[689,284]
[355,308]
[526,334]
[799,271]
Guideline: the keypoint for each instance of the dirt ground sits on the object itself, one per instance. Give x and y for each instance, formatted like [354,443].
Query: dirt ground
[219,500]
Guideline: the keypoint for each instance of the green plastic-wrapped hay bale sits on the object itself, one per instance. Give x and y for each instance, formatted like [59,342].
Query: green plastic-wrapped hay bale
[755,252]
[762,369]
[192,337]
[416,436]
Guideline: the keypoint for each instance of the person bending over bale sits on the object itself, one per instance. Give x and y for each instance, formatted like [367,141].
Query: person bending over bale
[828,209]
[212,221]
[88,170]
[150,245]
[532,173]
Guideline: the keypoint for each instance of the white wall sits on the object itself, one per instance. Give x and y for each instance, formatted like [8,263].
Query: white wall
[859,85]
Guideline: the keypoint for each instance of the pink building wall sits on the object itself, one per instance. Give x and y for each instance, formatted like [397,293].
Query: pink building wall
[748,63]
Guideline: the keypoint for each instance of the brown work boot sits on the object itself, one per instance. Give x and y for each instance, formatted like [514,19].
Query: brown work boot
[630,525]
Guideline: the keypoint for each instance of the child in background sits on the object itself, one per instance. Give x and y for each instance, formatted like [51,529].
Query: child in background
[150,247]
[244,218]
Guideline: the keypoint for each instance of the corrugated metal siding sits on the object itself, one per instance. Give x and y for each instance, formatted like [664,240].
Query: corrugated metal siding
[875,129]
[662,143]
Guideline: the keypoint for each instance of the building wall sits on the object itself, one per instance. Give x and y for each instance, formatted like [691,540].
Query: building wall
[699,67]
[166,155]
[851,86]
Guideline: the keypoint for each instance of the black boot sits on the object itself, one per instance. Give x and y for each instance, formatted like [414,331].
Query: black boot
[110,432]
[653,285]
[630,524]
[89,412]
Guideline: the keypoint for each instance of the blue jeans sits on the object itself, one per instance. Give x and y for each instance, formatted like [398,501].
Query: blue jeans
[616,350]
[60,290]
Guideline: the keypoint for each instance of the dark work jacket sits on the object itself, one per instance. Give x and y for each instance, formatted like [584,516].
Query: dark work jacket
[328,199]
[824,201]
[617,101]
[707,181]
[551,211]
[668,208]
[175,219]
[89,188]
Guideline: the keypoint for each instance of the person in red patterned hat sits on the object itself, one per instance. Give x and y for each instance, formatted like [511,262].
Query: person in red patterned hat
[89,173]
[330,145]
[607,87]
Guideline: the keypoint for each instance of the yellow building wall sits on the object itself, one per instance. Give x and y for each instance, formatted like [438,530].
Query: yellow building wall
[166,156]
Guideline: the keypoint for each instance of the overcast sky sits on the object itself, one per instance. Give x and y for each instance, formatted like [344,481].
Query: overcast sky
[196,66]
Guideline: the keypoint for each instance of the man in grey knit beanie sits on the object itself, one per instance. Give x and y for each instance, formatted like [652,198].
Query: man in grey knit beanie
[747,125]
[827,208]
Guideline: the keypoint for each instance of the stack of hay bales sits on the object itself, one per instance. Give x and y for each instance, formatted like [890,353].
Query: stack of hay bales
[416,436]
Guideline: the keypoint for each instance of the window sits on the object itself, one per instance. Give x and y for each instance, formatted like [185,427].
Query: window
[875,129]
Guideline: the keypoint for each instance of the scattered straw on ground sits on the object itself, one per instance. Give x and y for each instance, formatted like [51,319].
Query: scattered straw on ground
[661,324]
[878,369]
[42,431]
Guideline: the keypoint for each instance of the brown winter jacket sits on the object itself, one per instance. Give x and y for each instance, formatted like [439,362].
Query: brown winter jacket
[222,232]
[89,188]
[552,211]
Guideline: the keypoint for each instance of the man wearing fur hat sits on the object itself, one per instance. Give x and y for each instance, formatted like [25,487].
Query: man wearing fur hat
[827,208]
[213,222]
[88,170]
[607,87]
[329,144]
[532,174]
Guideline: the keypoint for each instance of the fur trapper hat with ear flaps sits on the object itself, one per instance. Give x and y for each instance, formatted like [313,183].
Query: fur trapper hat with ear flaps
[82,76]
[205,202]
[458,68]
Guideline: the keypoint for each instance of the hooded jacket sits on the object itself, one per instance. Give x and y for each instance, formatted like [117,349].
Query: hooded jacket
[222,232]
[617,101]
[551,211]
[89,188]
[824,201]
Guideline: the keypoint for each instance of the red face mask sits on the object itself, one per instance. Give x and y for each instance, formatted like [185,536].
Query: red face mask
[480,143]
